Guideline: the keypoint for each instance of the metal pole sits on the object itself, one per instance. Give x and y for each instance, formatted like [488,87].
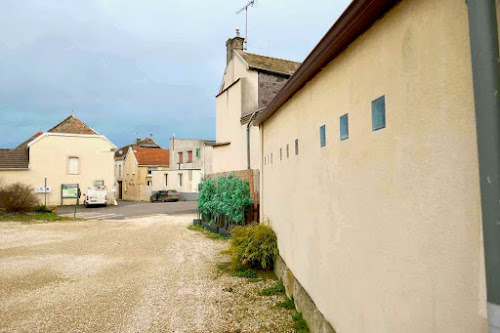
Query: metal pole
[45,191]
[77,198]
[483,31]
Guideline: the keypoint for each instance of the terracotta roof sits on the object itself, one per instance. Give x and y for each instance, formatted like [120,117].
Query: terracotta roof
[152,156]
[24,145]
[260,62]
[146,143]
[14,159]
[356,19]
[72,125]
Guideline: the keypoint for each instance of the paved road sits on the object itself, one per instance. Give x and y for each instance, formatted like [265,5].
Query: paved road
[127,209]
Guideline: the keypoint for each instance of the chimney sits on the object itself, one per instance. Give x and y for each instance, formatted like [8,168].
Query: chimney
[232,44]
[151,136]
[137,141]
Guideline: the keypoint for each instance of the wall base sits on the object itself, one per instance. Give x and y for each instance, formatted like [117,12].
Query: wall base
[314,318]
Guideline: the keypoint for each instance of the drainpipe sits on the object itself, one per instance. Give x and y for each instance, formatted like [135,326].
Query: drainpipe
[248,135]
[486,78]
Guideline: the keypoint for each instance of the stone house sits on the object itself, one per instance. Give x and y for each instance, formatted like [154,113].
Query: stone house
[250,82]
[68,154]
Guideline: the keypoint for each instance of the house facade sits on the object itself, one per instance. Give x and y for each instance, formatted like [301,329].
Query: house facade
[69,154]
[139,165]
[370,175]
[250,82]
[120,155]
[190,160]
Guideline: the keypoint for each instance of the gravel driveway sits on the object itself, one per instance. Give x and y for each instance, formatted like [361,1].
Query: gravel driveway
[149,274]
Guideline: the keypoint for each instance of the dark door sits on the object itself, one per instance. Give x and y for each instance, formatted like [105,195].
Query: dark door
[120,186]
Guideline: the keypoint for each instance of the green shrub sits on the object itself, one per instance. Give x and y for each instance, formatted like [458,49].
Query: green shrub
[253,246]
[42,209]
[17,198]
[227,196]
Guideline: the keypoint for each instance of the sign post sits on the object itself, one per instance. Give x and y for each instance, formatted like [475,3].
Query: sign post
[78,194]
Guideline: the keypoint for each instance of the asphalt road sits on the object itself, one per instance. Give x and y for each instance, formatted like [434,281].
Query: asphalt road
[127,209]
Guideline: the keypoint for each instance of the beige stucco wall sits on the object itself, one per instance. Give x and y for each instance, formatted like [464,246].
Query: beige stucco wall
[49,158]
[383,230]
[135,179]
[190,180]
[236,101]
[229,129]
[203,161]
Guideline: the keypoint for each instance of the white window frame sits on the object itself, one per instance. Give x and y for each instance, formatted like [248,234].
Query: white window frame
[70,171]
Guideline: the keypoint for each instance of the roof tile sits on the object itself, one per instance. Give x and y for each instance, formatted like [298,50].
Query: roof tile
[152,156]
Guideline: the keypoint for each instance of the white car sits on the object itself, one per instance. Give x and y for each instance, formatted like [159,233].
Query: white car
[95,196]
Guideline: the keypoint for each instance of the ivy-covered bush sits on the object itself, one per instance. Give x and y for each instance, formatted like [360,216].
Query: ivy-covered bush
[227,196]
[253,246]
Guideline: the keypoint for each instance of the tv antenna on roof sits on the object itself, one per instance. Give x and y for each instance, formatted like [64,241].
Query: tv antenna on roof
[250,3]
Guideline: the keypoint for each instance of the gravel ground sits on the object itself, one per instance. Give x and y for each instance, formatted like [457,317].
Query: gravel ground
[148,274]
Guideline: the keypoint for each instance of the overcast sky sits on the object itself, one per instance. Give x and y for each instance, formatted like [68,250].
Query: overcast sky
[129,68]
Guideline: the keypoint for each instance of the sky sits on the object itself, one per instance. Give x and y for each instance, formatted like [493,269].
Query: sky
[131,68]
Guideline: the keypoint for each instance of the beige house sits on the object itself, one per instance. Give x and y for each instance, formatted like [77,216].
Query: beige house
[370,174]
[190,160]
[138,170]
[250,82]
[68,154]
[120,161]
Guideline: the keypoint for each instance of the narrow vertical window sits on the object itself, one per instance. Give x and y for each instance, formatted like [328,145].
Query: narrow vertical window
[181,157]
[166,179]
[287,150]
[73,166]
[190,156]
[344,127]
[322,136]
[378,113]
[198,152]
[296,146]
[281,154]
[180,179]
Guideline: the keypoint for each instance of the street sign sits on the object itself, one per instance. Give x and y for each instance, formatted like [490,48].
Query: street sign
[42,189]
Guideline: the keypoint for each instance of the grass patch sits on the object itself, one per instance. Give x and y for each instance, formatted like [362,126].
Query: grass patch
[245,273]
[288,304]
[299,324]
[208,233]
[33,217]
[275,290]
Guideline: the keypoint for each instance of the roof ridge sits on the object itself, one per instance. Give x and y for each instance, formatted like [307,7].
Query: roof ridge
[275,58]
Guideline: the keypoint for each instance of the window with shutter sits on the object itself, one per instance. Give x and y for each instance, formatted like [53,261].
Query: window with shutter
[73,166]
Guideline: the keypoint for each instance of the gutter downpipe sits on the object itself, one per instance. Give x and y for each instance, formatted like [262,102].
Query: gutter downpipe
[486,78]
[248,136]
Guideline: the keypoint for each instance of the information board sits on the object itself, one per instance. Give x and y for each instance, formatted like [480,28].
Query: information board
[69,190]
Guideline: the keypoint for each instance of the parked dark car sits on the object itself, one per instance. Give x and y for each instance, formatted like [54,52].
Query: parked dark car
[164,195]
